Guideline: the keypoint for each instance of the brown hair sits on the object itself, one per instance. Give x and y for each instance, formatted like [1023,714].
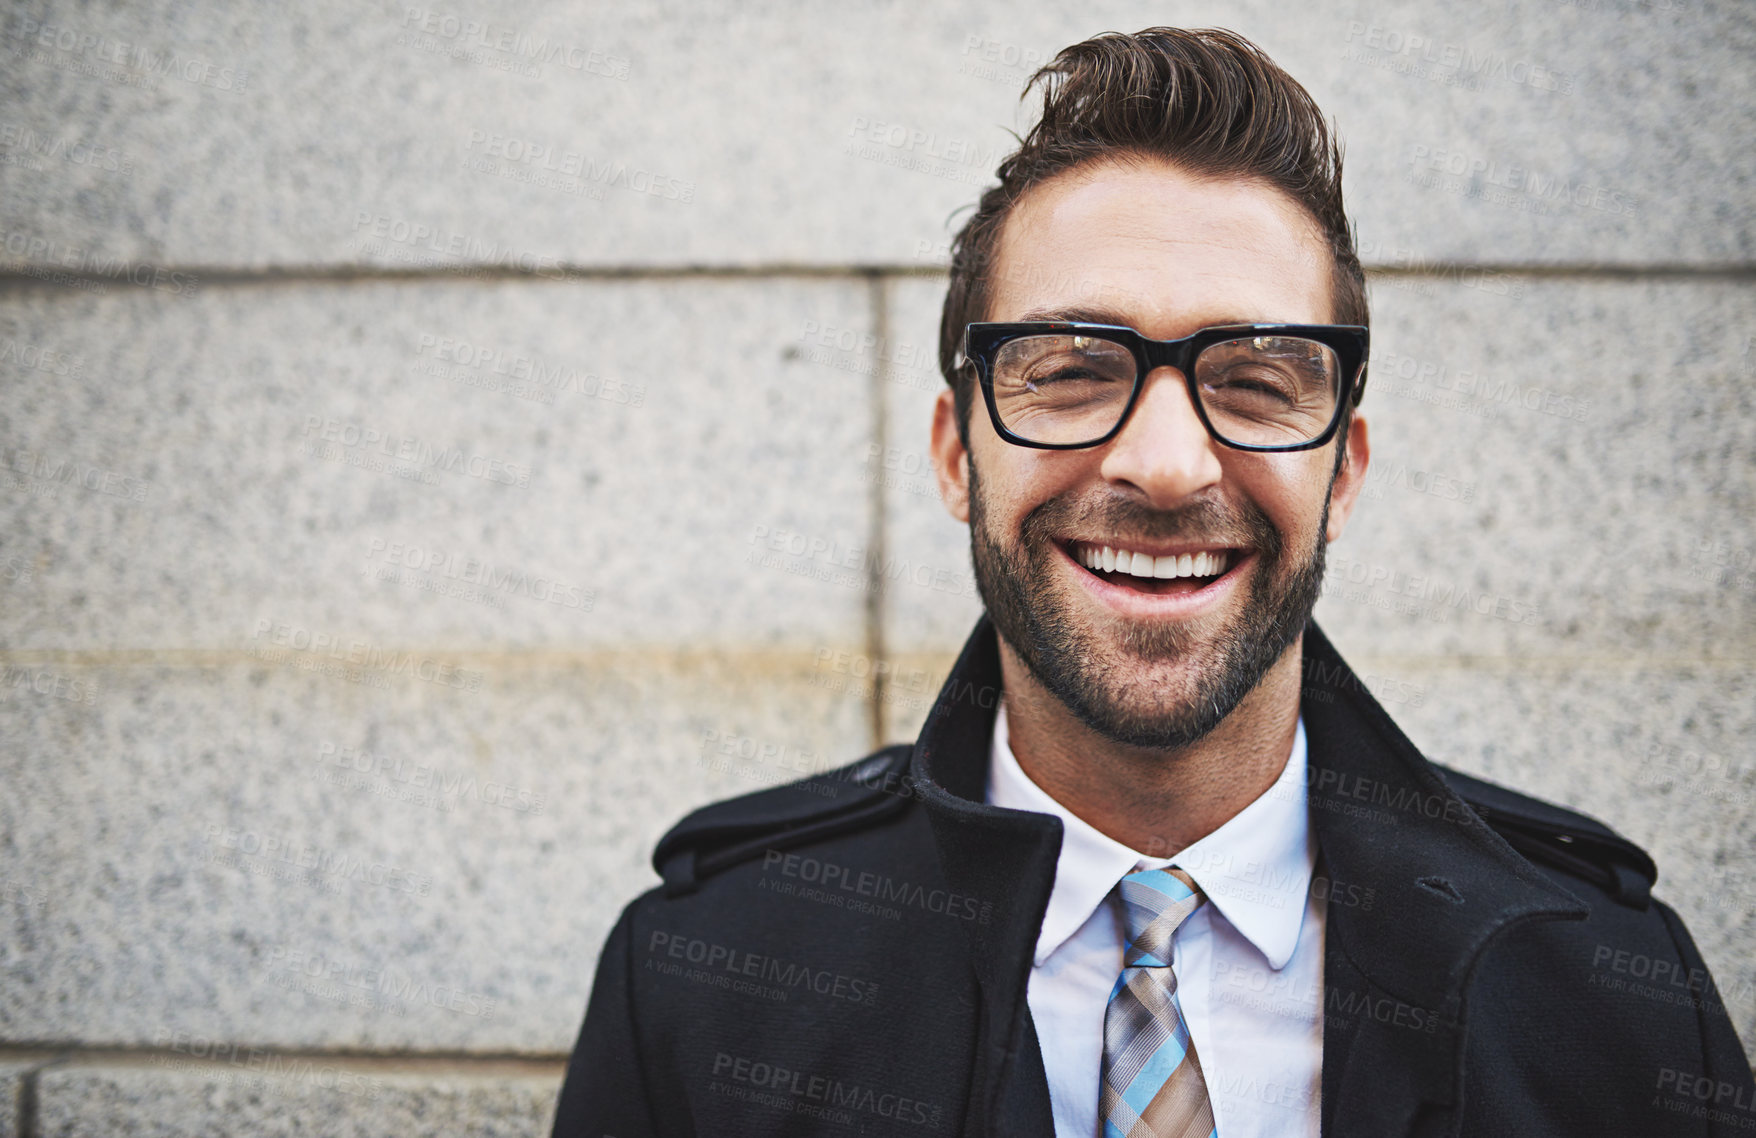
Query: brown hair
[1206,100]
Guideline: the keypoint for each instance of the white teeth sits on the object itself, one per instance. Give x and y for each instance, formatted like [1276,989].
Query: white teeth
[1109,559]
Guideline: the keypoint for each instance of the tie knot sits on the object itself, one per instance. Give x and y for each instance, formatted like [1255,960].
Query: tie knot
[1155,902]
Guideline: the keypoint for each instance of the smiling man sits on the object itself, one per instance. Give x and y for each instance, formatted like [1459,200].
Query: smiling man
[1158,865]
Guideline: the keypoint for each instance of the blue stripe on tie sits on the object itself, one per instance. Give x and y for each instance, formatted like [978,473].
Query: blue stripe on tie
[1163,882]
[1159,1067]
[1111,1130]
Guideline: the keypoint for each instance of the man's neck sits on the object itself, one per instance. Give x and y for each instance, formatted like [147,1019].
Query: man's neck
[1154,801]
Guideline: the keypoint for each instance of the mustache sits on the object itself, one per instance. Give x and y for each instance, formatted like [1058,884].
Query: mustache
[1204,521]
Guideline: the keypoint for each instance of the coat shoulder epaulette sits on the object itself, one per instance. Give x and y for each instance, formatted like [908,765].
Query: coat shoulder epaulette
[717,837]
[1561,839]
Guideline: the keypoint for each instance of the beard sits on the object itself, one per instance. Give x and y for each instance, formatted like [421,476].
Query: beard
[1107,682]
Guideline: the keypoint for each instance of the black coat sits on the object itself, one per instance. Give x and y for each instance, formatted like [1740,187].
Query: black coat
[849,954]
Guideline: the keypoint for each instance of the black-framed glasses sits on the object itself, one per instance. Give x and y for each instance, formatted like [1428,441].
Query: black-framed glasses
[1256,387]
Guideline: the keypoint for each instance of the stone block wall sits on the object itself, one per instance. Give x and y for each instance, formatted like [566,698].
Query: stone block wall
[443,445]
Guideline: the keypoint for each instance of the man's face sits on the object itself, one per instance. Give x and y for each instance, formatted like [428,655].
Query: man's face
[1148,661]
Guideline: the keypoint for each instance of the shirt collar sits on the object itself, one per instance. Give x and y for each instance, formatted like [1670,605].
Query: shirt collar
[1256,869]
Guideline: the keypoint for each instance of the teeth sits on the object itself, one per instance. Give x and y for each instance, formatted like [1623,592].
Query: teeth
[1109,559]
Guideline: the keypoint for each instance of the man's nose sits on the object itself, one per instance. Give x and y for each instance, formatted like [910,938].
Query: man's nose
[1163,450]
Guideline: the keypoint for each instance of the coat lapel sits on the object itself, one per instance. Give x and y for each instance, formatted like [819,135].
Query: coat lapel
[1005,860]
[1419,886]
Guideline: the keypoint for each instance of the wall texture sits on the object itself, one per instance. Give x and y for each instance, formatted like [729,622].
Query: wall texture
[442,445]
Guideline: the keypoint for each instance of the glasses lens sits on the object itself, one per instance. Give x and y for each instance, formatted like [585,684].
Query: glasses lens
[1268,390]
[1062,389]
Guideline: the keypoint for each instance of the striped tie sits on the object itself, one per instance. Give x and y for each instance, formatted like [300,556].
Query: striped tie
[1152,1085]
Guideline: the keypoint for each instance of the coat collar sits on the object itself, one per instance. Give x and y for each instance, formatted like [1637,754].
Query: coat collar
[1419,886]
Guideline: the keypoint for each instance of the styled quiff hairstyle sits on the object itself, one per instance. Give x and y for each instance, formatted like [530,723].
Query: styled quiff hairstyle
[1207,101]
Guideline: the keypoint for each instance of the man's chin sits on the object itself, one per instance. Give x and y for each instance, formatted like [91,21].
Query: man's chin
[1158,700]
[1142,680]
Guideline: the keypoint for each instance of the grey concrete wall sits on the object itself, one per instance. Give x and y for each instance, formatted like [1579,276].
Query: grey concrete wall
[400,402]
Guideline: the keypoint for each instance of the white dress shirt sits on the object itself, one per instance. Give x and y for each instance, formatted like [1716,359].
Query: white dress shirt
[1249,964]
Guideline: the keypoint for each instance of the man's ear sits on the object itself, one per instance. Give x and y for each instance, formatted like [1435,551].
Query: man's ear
[950,459]
[1345,491]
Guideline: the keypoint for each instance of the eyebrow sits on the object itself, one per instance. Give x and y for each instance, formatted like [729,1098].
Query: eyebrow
[1079,315]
